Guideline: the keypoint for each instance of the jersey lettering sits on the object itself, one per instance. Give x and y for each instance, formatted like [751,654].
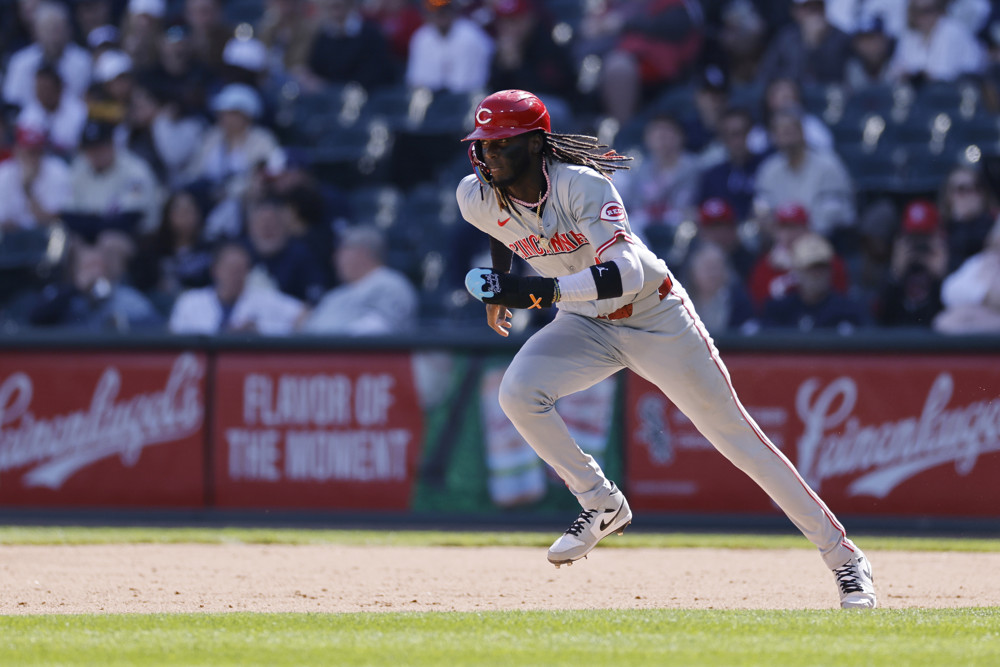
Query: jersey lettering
[529,246]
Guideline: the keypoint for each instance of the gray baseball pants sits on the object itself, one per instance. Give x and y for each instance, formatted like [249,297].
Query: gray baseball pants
[669,346]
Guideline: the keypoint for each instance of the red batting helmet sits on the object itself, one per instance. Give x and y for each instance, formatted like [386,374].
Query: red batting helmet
[509,113]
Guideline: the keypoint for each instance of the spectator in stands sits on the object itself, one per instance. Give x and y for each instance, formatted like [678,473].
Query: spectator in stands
[711,99]
[372,298]
[663,190]
[113,77]
[233,304]
[52,45]
[89,15]
[991,77]
[103,38]
[177,257]
[798,173]
[657,43]
[157,132]
[234,146]
[208,32]
[971,295]
[733,179]
[715,290]
[34,187]
[934,46]
[719,226]
[244,60]
[59,114]
[398,20]
[738,42]
[912,296]
[814,304]
[810,50]
[93,299]
[784,94]
[111,187]
[142,27]
[280,260]
[449,52]
[967,213]
[871,50]
[286,30]
[527,57]
[851,15]
[346,47]
[179,77]
[772,275]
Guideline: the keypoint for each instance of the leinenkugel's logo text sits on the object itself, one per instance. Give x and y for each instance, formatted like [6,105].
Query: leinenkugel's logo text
[886,454]
[60,445]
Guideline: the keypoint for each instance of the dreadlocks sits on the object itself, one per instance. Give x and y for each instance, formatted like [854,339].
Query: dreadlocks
[583,150]
[579,149]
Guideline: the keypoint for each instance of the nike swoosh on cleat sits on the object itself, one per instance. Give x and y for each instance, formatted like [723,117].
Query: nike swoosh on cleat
[502,222]
[604,524]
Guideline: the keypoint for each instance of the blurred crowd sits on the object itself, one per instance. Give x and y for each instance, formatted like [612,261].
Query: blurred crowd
[284,166]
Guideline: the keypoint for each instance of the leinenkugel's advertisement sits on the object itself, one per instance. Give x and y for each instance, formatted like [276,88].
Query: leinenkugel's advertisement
[327,431]
[875,435]
[86,429]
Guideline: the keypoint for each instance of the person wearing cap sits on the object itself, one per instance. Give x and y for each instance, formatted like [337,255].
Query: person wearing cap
[718,225]
[818,180]
[142,26]
[810,50]
[34,187]
[178,77]
[111,185]
[103,38]
[346,47]
[772,275]
[871,49]
[235,145]
[935,46]
[60,114]
[113,77]
[51,27]
[733,178]
[814,303]
[919,263]
[449,52]
[245,60]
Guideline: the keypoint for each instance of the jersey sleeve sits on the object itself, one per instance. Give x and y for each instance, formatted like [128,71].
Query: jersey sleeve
[599,210]
[470,202]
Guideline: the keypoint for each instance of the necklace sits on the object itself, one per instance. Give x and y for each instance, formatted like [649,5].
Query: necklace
[542,241]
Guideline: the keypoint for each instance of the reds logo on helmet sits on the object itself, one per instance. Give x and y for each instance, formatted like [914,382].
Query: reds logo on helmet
[509,113]
[613,212]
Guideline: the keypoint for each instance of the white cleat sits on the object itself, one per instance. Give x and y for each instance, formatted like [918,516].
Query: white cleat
[854,581]
[590,528]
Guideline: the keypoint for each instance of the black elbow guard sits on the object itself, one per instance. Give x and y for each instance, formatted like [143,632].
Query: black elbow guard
[608,279]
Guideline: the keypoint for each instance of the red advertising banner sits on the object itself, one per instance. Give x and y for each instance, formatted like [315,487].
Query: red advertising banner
[885,435]
[320,431]
[102,429]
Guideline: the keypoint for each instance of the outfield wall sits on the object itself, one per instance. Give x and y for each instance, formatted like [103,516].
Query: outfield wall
[882,427]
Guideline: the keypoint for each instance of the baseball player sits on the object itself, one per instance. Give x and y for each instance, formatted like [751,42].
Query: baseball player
[549,198]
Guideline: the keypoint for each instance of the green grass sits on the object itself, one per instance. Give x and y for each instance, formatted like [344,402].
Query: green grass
[130,535]
[912,637]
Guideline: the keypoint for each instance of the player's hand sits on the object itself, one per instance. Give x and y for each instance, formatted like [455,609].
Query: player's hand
[509,290]
[498,317]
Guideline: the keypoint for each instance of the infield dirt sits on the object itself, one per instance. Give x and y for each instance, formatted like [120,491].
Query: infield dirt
[147,578]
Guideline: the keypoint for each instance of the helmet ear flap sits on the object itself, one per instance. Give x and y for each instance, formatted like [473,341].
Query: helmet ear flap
[478,165]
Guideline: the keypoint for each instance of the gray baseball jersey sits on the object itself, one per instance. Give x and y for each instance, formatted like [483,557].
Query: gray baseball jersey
[661,339]
[583,217]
